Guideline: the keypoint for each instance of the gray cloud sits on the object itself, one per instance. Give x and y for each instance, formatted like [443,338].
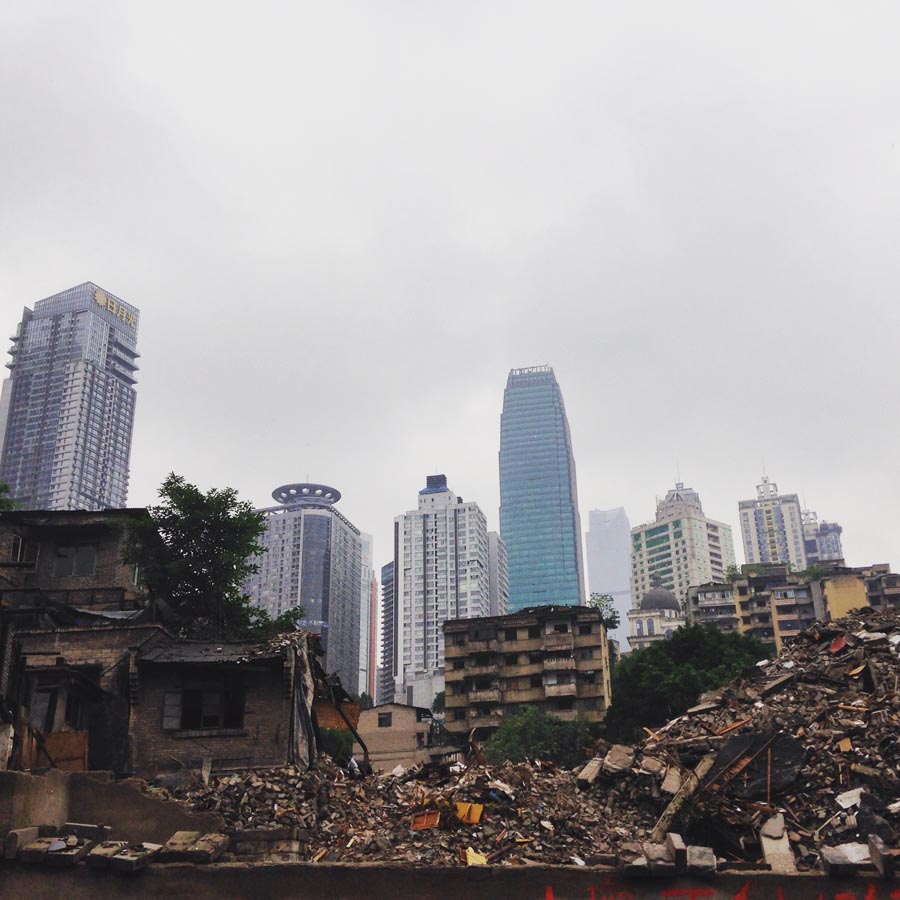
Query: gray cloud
[344,222]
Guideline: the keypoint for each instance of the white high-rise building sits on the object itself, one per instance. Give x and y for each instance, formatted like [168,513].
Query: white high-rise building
[683,547]
[67,409]
[772,527]
[441,571]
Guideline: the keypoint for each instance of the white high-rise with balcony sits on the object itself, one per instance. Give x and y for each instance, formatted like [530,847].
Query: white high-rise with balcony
[441,571]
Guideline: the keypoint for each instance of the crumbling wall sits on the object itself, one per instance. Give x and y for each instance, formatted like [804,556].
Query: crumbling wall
[58,797]
[133,815]
[31,799]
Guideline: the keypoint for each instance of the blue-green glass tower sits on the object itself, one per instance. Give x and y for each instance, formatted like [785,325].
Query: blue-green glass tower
[539,520]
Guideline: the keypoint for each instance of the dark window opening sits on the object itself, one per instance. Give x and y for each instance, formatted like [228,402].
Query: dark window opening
[77,561]
[561,628]
[385,719]
[584,629]
[534,631]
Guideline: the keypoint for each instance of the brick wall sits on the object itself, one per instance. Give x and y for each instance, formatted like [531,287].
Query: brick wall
[263,741]
[107,532]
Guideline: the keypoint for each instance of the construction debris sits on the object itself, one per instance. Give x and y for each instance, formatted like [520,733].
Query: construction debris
[812,737]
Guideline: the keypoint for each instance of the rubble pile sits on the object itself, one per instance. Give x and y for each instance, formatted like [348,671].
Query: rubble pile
[433,815]
[813,736]
[794,765]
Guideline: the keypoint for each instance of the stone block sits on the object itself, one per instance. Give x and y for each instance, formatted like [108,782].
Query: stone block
[208,848]
[701,860]
[17,839]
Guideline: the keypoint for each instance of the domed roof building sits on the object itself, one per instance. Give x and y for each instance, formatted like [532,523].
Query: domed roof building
[655,618]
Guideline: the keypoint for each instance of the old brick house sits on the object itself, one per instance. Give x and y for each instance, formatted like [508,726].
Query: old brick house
[89,679]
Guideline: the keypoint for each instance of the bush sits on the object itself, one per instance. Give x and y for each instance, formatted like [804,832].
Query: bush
[338,744]
[532,734]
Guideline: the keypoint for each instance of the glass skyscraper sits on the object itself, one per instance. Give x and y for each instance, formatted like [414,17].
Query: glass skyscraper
[67,409]
[314,559]
[539,519]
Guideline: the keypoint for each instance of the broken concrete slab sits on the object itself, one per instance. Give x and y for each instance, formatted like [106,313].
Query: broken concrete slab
[844,859]
[659,857]
[882,858]
[100,855]
[17,839]
[176,847]
[701,860]
[677,848]
[134,857]
[208,848]
[588,775]
[619,759]
[776,846]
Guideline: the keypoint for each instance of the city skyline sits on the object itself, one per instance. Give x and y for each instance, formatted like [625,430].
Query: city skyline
[334,281]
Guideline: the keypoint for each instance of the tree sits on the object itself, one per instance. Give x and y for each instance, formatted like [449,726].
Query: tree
[532,734]
[653,685]
[194,553]
[609,615]
[6,502]
[338,744]
[732,573]
[366,701]
[438,705]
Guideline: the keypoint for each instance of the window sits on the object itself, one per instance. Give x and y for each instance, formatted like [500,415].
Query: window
[536,681]
[77,561]
[384,720]
[509,634]
[561,628]
[534,631]
[209,704]
[23,551]
[584,629]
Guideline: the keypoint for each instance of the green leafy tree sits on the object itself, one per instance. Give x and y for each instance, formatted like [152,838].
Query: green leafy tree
[6,502]
[438,705]
[609,615]
[338,744]
[732,573]
[194,554]
[532,734]
[653,685]
[366,701]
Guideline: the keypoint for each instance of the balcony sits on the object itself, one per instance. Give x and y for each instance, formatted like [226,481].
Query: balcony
[481,646]
[566,715]
[560,690]
[559,664]
[525,695]
[481,720]
[590,690]
[485,695]
[529,645]
[472,671]
[552,642]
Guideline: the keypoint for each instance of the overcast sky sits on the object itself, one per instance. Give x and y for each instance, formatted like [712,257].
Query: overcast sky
[343,223]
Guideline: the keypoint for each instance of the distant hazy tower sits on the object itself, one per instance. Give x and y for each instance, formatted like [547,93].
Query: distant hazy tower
[441,571]
[67,409]
[313,559]
[498,574]
[772,527]
[539,519]
[681,548]
[609,561]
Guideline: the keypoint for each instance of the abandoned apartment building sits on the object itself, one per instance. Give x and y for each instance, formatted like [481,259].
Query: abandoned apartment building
[774,605]
[89,680]
[553,657]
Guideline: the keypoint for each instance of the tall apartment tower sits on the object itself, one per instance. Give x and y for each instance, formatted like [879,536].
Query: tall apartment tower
[539,518]
[821,540]
[498,574]
[313,559]
[772,527]
[683,547]
[441,571]
[609,561]
[67,408]
[385,690]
